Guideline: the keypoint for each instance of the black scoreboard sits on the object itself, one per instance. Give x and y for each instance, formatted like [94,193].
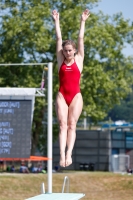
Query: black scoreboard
[15,128]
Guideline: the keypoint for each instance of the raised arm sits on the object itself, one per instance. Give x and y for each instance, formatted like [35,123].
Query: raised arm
[84,17]
[59,54]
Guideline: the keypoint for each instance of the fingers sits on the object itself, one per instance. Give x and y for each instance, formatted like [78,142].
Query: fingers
[85,15]
[55,15]
[87,12]
[54,12]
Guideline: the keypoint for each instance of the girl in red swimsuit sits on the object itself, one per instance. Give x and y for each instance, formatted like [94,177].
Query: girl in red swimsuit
[69,102]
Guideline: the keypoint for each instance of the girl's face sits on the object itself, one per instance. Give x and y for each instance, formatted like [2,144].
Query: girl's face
[69,51]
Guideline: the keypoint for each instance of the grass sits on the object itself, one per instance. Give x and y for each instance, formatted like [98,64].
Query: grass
[95,185]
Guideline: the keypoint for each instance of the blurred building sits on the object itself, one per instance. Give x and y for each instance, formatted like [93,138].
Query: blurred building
[93,149]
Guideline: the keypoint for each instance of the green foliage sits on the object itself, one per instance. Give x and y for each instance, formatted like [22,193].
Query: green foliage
[27,35]
[124,111]
[106,76]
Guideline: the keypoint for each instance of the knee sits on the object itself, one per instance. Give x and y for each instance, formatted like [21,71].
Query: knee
[72,125]
[63,125]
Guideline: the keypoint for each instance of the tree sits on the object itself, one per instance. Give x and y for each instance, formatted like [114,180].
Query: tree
[27,35]
[124,111]
[106,78]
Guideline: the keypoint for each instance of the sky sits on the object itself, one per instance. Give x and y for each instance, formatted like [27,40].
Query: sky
[111,7]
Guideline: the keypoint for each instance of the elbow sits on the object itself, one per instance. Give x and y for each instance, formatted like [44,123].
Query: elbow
[58,38]
[81,37]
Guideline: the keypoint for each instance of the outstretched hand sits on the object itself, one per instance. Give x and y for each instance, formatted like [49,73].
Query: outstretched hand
[55,15]
[85,15]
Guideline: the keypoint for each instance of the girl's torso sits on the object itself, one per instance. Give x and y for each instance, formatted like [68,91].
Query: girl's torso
[77,60]
[69,78]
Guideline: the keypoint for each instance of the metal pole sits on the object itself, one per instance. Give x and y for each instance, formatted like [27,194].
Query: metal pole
[50,98]
[66,181]
[21,64]
[85,121]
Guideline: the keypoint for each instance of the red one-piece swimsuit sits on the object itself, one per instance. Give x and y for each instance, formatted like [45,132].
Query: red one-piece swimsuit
[69,78]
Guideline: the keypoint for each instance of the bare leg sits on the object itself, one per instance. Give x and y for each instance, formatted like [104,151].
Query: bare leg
[74,112]
[62,115]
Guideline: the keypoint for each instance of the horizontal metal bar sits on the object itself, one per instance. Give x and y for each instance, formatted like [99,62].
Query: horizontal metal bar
[39,92]
[13,64]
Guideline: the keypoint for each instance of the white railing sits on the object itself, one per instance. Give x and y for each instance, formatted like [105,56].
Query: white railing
[65,183]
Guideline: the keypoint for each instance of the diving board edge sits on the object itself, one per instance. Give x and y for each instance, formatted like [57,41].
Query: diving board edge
[58,196]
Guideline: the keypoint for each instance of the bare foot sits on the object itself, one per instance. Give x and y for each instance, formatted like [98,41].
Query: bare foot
[68,159]
[62,159]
